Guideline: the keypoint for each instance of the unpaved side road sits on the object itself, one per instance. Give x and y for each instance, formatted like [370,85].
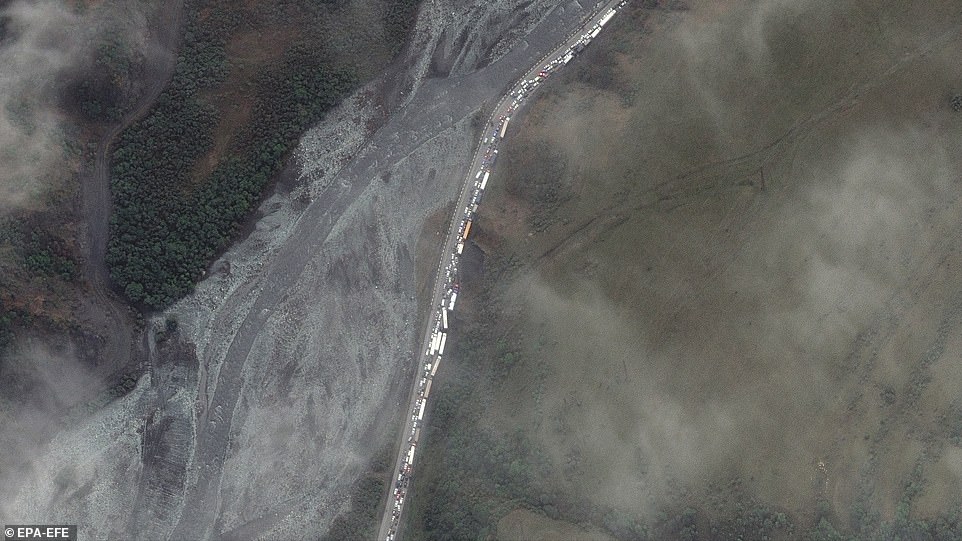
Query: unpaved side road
[105,310]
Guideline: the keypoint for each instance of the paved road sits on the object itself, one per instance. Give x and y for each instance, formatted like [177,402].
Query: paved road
[445,281]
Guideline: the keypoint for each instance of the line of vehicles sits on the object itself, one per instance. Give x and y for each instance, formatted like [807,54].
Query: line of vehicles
[526,86]
[432,361]
[439,335]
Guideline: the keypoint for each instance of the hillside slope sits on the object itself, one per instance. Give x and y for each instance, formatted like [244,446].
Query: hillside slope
[714,289]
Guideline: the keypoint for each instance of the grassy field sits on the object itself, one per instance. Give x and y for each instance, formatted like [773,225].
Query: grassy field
[716,290]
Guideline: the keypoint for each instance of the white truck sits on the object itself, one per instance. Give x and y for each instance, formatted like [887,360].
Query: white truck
[607,17]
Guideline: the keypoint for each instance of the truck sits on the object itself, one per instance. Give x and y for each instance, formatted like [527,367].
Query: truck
[484,182]
[467,229]
[444,318]
[437,363]
[594,33]
[504,126]
[607,17]
[411,454]
[454,297]
[421,411]
[444,338]
[460,247]
[427,391]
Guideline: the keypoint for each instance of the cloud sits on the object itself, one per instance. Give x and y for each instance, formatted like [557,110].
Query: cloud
[40,41]
[720,336]
[744,378]
[41,385]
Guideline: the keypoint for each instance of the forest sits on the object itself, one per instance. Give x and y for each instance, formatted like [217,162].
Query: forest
[171,216]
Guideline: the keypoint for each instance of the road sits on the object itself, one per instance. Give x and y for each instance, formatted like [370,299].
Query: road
[445,287]
[109,313]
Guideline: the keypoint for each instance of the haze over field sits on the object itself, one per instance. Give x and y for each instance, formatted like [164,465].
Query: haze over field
[46,48]
[723,253]
[43,44]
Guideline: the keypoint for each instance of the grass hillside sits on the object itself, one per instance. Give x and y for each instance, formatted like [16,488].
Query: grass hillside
[713,292]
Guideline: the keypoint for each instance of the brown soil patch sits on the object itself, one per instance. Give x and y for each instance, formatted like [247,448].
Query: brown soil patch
[248,53]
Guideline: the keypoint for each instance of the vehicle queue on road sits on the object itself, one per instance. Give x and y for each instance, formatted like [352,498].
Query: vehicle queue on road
[439,336]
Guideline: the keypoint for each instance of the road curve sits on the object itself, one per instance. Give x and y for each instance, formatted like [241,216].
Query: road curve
[109,312]
[445,289]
